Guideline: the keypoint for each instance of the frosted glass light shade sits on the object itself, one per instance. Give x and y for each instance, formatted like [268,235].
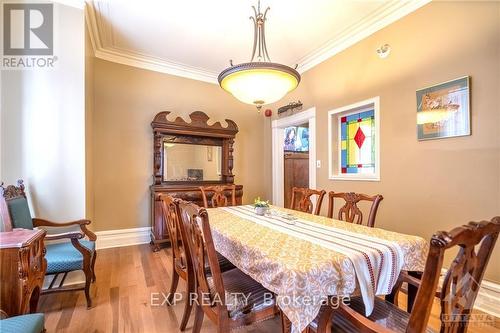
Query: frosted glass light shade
[259,83]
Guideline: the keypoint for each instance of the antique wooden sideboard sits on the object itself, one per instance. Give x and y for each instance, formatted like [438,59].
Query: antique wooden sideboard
[23,270]
[187,155]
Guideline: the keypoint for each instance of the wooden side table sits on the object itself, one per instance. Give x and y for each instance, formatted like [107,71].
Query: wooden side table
[22,270]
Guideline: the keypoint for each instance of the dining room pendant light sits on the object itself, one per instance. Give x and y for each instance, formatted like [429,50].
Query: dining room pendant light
[261,81]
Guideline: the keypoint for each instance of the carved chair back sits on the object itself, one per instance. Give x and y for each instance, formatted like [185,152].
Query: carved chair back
[301,200]
[171,214]
[201,247]
[475,242]
[350,212]
[219,197]
[14,208]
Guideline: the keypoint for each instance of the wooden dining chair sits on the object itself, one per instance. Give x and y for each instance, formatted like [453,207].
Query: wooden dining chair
[181,259]
[350,211]
[219,195]
[219,293]
[474,241]
[301,200]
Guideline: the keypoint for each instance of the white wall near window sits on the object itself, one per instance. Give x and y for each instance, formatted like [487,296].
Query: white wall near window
[334,140]
[43,124]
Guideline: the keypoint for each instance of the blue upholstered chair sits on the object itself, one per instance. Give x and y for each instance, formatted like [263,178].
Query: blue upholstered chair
[74,251]
[30,323]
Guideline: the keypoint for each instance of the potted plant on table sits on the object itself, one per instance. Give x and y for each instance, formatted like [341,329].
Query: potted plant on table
[261,206]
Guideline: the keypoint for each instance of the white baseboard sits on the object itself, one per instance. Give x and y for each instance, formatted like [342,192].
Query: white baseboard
[122,237]
[488,297]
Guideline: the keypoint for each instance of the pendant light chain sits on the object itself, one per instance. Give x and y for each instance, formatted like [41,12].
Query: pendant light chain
[259,37]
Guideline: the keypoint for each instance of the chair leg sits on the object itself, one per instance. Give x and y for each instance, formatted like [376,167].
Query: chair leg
[286,325]
[325,320]
[189,305]
[412,291]
[93,266]
[198,319]
[87,268]
[173,284]
[223,327]
[88,281]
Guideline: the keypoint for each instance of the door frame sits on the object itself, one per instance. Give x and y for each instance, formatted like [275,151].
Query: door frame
[278,161]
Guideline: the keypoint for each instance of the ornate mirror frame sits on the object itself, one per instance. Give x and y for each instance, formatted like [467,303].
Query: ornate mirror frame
[198,131]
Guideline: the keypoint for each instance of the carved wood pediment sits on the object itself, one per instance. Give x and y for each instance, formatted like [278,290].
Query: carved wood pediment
[198,125]
[12,192]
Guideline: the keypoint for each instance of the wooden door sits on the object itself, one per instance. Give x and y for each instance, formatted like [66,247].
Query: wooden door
[296,173]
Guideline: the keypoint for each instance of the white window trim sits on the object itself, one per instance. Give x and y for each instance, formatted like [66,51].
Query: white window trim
[375,102]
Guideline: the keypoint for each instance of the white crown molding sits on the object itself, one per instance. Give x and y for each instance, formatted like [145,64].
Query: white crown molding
[101,36]
[135,59]
[90,22]
[374,22]
[80,4]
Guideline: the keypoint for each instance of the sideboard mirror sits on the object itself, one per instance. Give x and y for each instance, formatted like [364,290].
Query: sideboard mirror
[186,162]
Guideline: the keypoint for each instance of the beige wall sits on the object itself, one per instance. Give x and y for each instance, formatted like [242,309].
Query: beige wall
[431,185]
[125,102]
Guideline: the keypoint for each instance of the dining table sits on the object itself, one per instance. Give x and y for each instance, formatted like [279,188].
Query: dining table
[305,259]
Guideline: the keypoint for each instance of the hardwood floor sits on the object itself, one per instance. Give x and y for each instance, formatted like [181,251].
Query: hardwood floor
[126,279]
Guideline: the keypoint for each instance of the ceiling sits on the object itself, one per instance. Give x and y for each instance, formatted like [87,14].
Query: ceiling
[197,38]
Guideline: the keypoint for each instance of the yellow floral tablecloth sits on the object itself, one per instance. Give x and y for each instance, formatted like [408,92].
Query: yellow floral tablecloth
[300,272]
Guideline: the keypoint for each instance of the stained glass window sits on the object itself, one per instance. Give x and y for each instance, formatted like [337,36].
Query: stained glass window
[357,143]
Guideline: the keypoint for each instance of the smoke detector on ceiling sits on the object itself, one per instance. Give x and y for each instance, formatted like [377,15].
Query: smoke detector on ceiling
[384,51]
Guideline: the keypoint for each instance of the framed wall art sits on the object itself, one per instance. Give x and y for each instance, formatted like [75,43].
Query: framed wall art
[443,110]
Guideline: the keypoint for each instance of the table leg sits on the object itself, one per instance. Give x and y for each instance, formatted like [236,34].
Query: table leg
[394,295]
[412,291]
[286,324]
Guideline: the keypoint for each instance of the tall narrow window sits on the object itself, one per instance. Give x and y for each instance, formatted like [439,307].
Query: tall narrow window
[354,141]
